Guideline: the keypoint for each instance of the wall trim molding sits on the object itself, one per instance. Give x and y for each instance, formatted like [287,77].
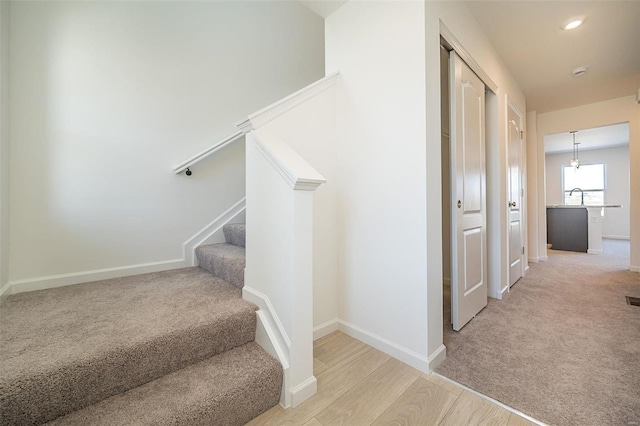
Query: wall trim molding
[634,268]
[595,251]
[399,352]
[5,291]
[326,328]
[454,44]
[304,391]
[271,335]
[616,237]
[276,109]
[543,258]
[263,302]
[188,259]
[437,357]
[212,233]
[61,280]
[534,260]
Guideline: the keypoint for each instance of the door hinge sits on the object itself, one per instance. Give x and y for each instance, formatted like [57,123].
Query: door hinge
[522,192]
[522,250]
[521,134]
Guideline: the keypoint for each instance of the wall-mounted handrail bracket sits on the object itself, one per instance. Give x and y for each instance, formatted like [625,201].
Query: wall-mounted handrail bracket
[184,166]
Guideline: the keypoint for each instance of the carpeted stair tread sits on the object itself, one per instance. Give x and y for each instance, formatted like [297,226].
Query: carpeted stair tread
[234,233]
[228,389]
[226,261]
[63,349]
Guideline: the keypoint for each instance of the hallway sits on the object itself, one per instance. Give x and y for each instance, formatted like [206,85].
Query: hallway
[563,346]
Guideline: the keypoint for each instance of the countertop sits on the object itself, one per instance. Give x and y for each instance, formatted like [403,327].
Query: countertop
[599,206]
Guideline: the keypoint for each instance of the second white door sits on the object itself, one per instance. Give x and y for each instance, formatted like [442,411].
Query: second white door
[516,248]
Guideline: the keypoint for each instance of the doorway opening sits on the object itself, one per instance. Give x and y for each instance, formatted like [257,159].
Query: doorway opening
[587,175]
[477,220]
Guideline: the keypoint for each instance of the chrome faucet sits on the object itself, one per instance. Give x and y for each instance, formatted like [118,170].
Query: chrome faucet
[581,195]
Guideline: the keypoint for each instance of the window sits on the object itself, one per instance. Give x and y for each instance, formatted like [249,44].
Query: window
[589,178]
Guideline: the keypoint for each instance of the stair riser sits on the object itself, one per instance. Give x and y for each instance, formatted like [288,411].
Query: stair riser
[235,234]
[231,272]
[35,400]
[229,389]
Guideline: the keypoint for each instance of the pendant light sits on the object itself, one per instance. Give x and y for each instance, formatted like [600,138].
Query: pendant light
[575,161]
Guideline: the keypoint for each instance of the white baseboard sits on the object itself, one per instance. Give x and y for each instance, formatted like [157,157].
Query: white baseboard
[304,391]
[266,338]
[52,281]
[526,269]
[212,233]
[401,353]
[271,335]
[437,357]
[325,328]
[615,237]
[595,251]
[634,268]
[534,259]
[543,258]
[205,235]
[5,291]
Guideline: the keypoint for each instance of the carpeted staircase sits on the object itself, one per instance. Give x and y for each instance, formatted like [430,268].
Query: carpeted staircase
[174,347]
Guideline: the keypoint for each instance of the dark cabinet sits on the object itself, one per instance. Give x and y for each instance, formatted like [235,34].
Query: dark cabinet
[567,228]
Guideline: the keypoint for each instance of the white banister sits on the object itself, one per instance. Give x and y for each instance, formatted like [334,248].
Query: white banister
[207,152]
[279,253]
[287,145]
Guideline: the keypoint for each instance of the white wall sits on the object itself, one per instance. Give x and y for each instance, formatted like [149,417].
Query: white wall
[106,97]
[598,114]
[616,221]
[378,47]
[4,144]
[389,151]
[310,130]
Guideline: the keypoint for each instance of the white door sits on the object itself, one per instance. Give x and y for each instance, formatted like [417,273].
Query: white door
[516,248]
[468,194]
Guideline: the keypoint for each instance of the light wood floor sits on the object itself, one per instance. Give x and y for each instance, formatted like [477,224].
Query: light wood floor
[359,385]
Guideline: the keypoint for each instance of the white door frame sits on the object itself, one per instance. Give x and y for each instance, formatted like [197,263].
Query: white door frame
[496,238]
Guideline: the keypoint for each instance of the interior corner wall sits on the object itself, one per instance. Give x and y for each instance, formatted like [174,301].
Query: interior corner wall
[107,97]
[310,130]
[378,47]
[4,144]
[614,111]
[615,223]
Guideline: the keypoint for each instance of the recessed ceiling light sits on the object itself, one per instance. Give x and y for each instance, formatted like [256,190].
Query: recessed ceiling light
[579,71]
[573,23]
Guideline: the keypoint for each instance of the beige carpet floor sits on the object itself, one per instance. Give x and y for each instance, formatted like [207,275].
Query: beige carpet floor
[563,346]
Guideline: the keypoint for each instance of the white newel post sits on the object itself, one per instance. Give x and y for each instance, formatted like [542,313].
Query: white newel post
[279,255]
[303,380]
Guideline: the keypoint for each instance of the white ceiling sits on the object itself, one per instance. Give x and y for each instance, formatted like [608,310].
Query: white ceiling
[541,56]
[596,138]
